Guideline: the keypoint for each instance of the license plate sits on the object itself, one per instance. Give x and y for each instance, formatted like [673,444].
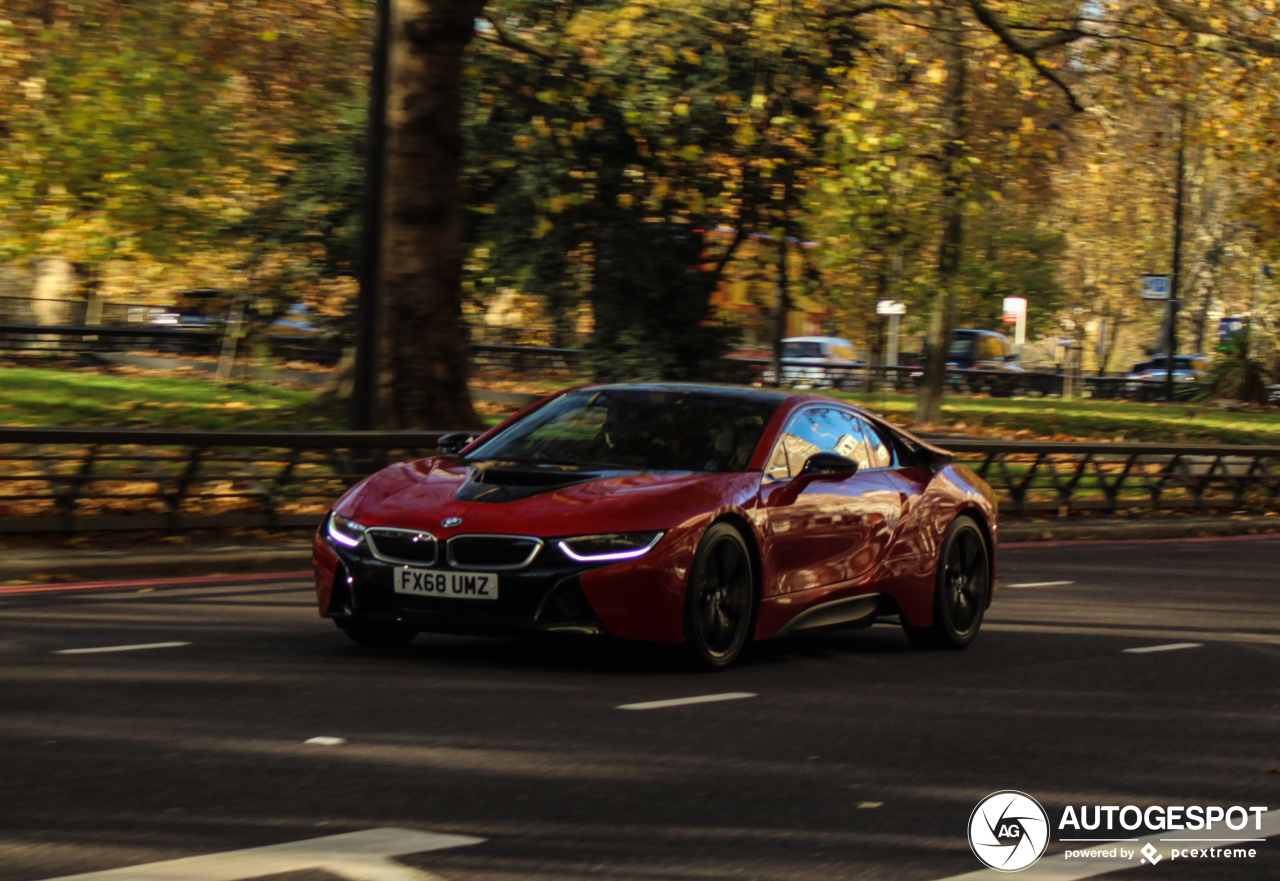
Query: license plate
[438,583]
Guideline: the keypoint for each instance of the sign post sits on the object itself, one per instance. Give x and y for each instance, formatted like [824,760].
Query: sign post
[1229,327]
[895,311]
[1162,288]
[1156,287]
[1015,313]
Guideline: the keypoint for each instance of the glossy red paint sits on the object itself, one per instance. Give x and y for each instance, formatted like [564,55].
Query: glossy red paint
[877,532]
[326,564]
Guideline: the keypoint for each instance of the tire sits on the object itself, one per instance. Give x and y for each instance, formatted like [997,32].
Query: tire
[376,634]
[961,590]
[720,599]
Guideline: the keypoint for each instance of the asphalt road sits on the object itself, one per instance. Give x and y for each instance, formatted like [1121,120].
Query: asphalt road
[856,758]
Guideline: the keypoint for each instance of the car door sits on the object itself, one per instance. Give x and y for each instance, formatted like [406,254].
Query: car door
[828,532]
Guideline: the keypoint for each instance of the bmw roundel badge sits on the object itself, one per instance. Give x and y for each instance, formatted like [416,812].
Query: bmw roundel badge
[450,522]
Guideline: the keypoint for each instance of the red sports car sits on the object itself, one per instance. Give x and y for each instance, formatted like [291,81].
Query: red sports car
[702,515]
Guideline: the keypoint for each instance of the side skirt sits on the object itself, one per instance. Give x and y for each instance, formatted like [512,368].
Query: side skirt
[849,612]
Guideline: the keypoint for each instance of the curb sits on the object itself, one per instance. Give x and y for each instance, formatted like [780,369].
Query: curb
[1020,532]
[61,564]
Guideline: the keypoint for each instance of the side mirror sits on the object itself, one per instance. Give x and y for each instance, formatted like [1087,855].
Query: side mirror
[828,466]
[452,443]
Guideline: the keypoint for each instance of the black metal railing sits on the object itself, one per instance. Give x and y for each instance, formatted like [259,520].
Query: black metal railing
[55,479]
[1061,477]
[71,478]
[37,339]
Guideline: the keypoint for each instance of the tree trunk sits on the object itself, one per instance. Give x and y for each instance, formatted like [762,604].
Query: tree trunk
[1209,274]
[425,354]
[783,308]
[874,378]
[955,158]
[1112,324]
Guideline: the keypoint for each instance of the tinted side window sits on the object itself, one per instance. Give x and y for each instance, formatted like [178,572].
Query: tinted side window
[962,346]
[879,454]
[861,442]
[807,434]
[827,430]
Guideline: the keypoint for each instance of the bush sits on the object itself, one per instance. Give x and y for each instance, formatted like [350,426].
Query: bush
[1238,374]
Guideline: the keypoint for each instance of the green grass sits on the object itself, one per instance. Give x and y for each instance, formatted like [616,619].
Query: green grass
[1100,420]
[47,397]
[50,397]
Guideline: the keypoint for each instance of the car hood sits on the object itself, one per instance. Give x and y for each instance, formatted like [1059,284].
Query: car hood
[504,498]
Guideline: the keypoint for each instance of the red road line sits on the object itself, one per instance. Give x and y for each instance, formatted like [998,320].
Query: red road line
[1064,543]
[154,582]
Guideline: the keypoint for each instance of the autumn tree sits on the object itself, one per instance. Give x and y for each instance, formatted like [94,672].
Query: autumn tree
[1154,83]
[424,358]
[136,141]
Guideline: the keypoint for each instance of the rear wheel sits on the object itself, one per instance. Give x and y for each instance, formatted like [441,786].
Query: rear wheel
[960,591]
[720,600]
[377,634]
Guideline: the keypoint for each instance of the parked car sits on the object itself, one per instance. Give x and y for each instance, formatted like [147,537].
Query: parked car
[188,320]
[1186,368]
[303,334]
[981,350]
[701,515]
[1147,378]
[196,309]
[817,361]
[984,350]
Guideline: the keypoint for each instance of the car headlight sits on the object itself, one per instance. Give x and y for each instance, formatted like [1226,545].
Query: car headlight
[611,546]
[345,531]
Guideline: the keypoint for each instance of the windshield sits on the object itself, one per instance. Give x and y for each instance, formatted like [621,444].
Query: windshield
[637,428]
[801,350]
[1179,363]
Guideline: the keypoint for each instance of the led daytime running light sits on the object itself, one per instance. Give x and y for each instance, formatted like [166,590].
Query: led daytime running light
[344,531]
[632,554]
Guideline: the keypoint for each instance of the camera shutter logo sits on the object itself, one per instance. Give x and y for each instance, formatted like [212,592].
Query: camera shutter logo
[1008,831]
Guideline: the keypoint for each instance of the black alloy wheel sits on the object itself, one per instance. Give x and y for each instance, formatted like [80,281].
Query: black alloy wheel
[378,634]
[961,591]
[720,600]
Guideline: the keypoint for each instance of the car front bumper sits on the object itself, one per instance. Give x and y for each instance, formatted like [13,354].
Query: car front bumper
[640,599]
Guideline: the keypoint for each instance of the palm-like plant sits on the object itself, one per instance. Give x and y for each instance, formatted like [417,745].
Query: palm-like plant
[1238,374]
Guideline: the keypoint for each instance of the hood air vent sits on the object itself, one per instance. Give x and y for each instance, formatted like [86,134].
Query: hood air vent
[507,482]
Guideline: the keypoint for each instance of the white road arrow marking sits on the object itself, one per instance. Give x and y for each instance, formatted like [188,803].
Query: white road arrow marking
[358,856]
[686,701]
[1171,647]
[122,648]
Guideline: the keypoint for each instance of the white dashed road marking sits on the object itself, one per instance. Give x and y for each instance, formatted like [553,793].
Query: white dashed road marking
[1042,584]
[365,856]
[685,701]
[122,648]
[1171,647]
[325,741]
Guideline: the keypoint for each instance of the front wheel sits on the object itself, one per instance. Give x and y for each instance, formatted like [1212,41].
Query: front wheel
[960,592]
[720,600]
